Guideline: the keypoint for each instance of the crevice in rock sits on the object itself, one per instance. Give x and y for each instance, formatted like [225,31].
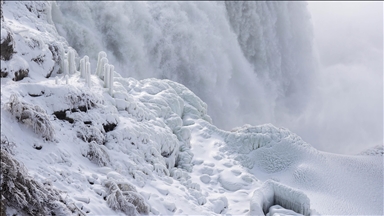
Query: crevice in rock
[36,95]
[109,127]
[63,116]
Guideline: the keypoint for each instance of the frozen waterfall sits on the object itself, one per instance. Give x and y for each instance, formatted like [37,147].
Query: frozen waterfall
[252,62]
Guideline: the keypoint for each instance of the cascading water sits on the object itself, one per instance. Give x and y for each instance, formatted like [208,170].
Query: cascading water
[276,38]
[251,62]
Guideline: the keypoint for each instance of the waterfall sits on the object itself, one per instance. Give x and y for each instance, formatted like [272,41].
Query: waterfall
[251,62]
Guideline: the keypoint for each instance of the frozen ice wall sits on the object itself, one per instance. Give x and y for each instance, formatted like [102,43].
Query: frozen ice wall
[251,62]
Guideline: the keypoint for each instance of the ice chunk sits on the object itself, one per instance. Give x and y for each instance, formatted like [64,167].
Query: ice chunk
[274,193]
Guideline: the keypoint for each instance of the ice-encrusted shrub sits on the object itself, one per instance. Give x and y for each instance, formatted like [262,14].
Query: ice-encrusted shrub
[6,45]
[89,133]
[124,197]
[2,207]
[6,145]
[33,116]
[25,194]
[97,154]
[54,48]
[82,100]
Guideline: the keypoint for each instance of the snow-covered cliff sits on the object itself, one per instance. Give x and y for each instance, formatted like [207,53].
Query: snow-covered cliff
[148,146]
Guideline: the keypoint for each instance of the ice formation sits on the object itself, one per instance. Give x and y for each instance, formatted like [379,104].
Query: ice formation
[78,141]
[272,193]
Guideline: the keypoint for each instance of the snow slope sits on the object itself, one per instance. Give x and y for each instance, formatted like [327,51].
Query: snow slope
[150,147]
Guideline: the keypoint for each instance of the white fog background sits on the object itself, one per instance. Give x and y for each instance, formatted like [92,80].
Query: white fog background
[316,68]
[348,112]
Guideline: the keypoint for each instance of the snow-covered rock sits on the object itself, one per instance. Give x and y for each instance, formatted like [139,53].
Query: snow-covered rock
[30,44]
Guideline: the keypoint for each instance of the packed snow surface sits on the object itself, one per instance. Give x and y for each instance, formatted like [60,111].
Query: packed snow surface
[149,147]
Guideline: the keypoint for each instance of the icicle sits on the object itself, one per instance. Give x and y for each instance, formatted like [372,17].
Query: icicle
[65,66]
[106,71]
[86,58]
[100,68]
[66,79]
[110,80]
[88,73]
[71,61]
[62,57]
[82,68]
[104,61]
[57,80]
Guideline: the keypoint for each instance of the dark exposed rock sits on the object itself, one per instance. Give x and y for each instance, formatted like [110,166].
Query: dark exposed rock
[20,74]
[63,116]
[109,127]
[3,74]
[37,147]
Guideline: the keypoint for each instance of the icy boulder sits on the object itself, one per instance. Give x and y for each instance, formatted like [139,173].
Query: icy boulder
[254,137]
[270,148]
[273,193]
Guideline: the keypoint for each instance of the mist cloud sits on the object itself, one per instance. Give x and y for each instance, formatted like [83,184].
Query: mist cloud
[346,114]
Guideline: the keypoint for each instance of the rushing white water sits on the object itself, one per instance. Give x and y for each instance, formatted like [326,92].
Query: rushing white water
[251,62]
